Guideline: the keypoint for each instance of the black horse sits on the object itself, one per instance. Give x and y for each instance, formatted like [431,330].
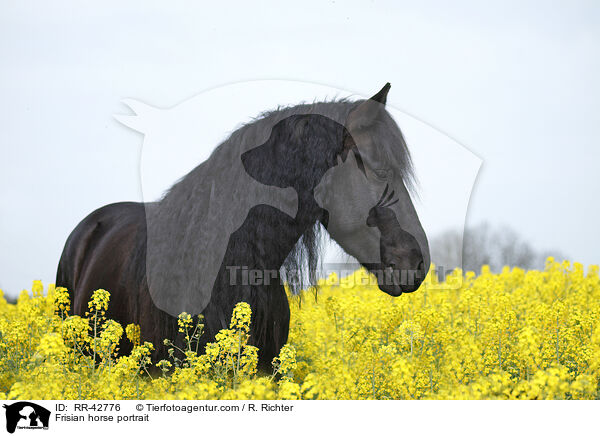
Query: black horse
[312,166]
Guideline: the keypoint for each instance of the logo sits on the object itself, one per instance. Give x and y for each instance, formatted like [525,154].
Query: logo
[259,157]
[26,415]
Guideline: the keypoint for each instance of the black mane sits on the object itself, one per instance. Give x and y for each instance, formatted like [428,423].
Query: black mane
[302,264]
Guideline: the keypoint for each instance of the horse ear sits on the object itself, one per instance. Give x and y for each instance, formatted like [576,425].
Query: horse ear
[381,96]
[367,112]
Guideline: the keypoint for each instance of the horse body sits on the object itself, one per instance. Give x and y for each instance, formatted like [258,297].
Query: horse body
[108,250]
[116,247]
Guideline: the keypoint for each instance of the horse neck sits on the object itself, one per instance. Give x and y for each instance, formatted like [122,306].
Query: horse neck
[268,235]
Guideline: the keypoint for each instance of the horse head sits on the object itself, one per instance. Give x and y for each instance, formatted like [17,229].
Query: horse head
[370,213]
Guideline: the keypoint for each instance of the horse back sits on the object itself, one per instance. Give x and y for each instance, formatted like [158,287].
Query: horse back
[99,253]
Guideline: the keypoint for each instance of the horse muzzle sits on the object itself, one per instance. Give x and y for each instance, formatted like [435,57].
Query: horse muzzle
[395,281]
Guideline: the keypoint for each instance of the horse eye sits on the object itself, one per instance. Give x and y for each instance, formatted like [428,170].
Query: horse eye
[382,174]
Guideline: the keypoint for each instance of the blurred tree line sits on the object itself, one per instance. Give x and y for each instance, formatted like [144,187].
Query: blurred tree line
[484,244]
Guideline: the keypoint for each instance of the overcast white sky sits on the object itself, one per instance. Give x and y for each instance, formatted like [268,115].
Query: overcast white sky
[514,82]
